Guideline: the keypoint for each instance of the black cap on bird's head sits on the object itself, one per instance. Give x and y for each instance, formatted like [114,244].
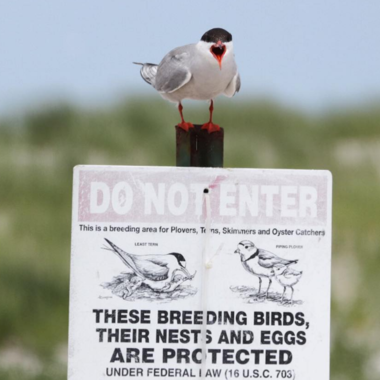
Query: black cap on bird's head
[218,37]
[181,260]
[217,34]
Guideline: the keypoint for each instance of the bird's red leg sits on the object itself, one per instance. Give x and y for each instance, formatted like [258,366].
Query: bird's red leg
[210,126]
[185,126]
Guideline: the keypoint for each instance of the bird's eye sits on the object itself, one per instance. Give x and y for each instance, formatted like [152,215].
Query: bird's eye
[246,247]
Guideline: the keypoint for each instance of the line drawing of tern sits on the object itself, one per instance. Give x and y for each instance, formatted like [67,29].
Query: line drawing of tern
[153,270]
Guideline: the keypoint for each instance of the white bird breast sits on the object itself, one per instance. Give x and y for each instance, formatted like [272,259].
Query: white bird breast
[208,79]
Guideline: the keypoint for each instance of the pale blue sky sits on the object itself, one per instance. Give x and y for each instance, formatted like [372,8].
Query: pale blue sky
[311,54]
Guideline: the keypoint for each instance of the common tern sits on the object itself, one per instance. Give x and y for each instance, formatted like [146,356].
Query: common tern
[199,71]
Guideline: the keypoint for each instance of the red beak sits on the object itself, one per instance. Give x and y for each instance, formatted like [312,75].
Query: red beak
[218,50]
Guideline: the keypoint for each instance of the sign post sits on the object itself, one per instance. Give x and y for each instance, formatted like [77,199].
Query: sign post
[199,148]
[200,273]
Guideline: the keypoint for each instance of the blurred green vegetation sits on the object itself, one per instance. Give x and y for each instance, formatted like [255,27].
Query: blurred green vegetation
[39,149]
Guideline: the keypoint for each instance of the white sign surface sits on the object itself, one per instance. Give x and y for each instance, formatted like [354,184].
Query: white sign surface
[202,273]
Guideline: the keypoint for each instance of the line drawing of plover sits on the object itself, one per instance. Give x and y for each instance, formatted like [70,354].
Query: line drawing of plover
[287,277]
[260,263]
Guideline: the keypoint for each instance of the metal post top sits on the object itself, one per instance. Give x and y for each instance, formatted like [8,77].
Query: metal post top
[199,148]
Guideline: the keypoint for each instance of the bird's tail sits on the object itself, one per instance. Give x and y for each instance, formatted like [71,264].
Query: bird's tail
[291,262]
[148,71]
[125,257]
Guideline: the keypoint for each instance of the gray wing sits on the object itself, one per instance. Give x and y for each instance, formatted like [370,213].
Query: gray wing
[173,71]
[269,259]
[234,86]
[126,258]
[148,71]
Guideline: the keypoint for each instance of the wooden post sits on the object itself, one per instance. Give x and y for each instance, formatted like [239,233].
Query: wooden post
[198,148]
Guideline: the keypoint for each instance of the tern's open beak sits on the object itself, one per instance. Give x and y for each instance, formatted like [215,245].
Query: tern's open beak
[218,50]
[237,251]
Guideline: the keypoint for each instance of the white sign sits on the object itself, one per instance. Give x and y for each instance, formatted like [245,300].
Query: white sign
[200,273]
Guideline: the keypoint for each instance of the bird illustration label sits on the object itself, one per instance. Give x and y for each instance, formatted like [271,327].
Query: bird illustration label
[191,272]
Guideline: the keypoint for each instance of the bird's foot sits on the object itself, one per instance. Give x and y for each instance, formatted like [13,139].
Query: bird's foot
[185,126]
[211,127]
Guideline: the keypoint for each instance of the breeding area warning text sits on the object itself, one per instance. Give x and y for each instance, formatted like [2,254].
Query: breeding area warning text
[169,280]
